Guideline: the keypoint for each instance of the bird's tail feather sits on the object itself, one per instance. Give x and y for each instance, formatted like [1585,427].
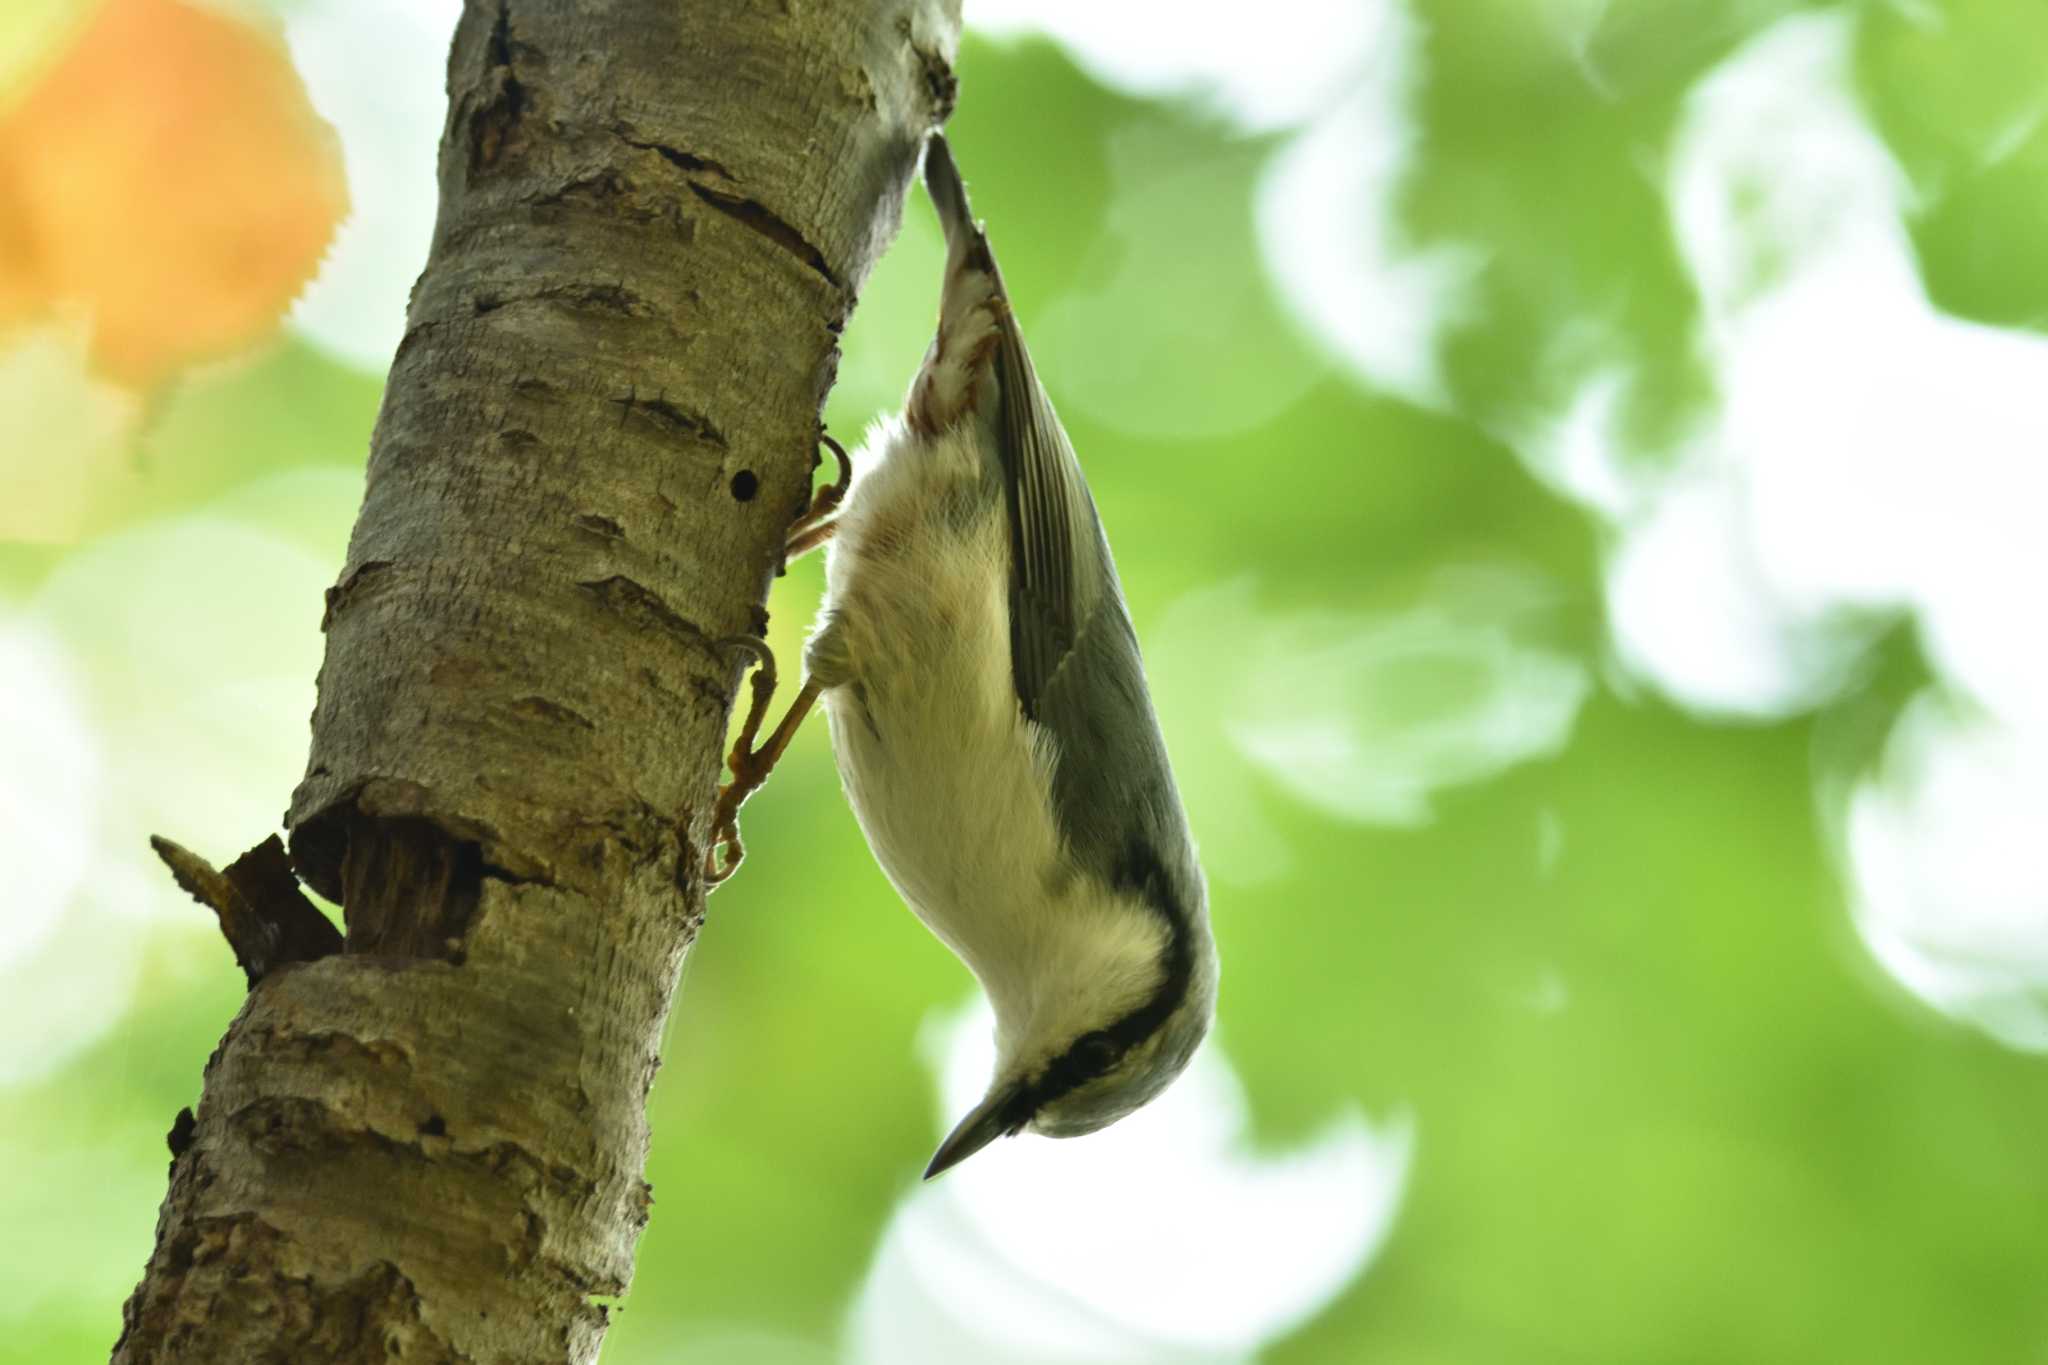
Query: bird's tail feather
[949,195]
[973,311]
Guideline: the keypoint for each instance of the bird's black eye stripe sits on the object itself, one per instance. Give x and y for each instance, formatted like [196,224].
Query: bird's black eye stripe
[1093,1054]
[1087,1057]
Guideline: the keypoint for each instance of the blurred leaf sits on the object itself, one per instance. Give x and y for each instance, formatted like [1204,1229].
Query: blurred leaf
[1956,88]
[1543,126]
[93,457]
[169,175]
[1652,1084]
[82,1230]
[32,32]
[76,435]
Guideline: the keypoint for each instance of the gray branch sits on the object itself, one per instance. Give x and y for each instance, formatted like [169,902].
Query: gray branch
[654,222]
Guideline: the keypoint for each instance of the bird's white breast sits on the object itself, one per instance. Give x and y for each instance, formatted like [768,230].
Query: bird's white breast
[950,781]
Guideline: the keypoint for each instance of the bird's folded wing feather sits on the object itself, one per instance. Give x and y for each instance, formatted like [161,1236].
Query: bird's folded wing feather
[1059,568]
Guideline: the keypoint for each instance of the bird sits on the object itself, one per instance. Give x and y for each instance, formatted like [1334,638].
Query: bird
[993,727]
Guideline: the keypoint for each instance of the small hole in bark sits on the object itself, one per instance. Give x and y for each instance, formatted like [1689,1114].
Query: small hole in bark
[435,1126]
[745,485]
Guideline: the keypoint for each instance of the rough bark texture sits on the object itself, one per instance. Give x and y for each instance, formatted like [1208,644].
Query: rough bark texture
[654,220]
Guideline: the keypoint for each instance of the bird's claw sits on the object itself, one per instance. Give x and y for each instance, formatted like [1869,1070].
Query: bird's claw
[816,523]
[747,773]
[750,765]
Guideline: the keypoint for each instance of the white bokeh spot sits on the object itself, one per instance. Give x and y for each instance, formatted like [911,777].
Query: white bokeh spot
[159,682]
[1295,60]
[1163,1238]
[1363,716]
[50,794]
[376,70]
[1949,872]
[1329,237]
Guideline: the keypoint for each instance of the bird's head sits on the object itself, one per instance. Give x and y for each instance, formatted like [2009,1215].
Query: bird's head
[1103,1033]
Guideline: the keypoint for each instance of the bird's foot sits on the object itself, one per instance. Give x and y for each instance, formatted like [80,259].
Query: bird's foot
[750,765]
[815,525]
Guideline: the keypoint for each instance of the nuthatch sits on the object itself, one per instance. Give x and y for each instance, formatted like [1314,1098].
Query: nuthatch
[993,728]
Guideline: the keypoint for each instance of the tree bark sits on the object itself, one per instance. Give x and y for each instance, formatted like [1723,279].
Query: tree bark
[654,221]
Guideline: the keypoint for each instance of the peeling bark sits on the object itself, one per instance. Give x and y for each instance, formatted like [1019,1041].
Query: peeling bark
[428,1146]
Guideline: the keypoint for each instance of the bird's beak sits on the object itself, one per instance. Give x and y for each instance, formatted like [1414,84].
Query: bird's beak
[984,1123]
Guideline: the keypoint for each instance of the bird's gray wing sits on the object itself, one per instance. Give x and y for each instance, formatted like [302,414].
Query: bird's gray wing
[1073,652]
[1060,570]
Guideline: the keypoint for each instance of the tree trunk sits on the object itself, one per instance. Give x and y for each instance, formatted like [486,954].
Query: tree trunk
[654,221]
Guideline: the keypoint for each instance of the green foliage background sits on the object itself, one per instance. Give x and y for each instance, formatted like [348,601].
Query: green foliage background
[1737,1142]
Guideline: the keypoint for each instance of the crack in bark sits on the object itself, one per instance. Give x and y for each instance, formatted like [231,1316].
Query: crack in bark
[741,208]
[494,131]
[229,1260]
[640,605]
[595,187]
[609,194]
[540,708]
[578,296]
[606,298]
[289,1125]
[758,217]
[670,419]
[675,156]
[338,596]
[330,1045]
